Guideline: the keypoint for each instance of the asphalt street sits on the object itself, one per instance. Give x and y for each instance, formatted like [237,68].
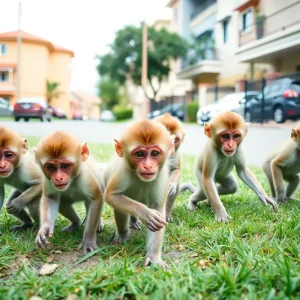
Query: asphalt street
[258,143]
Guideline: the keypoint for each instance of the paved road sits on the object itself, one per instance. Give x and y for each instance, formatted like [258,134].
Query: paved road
[259,142]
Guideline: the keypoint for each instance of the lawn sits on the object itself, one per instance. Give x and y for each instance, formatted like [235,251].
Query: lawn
[255,256]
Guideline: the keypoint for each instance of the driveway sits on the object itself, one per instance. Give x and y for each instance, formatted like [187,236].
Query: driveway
[261,139]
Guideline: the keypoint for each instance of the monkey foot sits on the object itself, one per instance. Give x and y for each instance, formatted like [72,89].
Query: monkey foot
[222,217]
[192,206]
[23,226]
[121,238]
[156,261]
[169,218]
[87,245]
[71,227]
[137,225]
[100,227]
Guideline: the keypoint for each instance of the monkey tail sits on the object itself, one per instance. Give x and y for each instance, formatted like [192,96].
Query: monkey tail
[187,186]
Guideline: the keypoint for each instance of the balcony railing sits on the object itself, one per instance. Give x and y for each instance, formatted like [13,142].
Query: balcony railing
[268,25]
[7,86]
[192,59]
[199,6]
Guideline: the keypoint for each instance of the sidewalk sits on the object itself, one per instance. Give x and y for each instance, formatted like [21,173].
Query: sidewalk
[273,124]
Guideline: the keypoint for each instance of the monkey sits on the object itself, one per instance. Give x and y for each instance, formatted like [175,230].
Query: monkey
[136,183]
[70,175]
[175,127]
[18,170]
[284,165]
[214,165]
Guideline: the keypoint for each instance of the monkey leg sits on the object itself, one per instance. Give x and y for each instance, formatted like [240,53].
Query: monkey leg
[68,211]
[34,211]
[22,215]
[122,224]
[268,172]
[101,225]
[228,185]
[170,204]
[293,182]
[135,223]
[198,195]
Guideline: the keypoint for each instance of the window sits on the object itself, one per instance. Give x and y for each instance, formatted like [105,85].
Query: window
[3,76]
[247,20]
[225,31]
[3,49]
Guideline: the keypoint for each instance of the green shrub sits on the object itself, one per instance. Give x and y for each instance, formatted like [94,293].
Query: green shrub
[122,113]
[192,109]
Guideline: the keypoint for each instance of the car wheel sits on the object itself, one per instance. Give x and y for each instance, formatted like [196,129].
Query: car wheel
[279,115]
[248,117]
[42,118]
[17,119]
[26,119]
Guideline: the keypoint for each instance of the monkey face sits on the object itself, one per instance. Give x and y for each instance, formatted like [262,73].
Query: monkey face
[229,140]
[7,161]
[59,171]
[146,160]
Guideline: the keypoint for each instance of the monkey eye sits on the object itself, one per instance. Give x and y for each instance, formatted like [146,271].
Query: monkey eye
[225,136]
[8,155]
[64,166]
[236,136]
[139,154]
[51,167]
[154,153]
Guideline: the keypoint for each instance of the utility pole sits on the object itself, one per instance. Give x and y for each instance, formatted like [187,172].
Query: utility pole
[19,45]
[144,56]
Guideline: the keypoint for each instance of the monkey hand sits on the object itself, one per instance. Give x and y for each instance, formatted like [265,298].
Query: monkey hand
[15,206]
[88,245]
[281,198]
[222,216]
[153,219]
[156,261]
[46,230]
[172,189]
[267,200]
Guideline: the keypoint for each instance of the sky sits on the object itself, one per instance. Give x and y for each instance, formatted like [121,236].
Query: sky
[84,26]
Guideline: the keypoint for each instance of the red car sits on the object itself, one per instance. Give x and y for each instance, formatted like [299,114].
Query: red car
[32,107]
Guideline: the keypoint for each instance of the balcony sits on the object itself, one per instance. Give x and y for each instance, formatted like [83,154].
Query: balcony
[272,36]
[200,6]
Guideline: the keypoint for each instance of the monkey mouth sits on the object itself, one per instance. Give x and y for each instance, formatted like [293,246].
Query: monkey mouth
[61,186]
[4,172]
[229,152]
[147,176]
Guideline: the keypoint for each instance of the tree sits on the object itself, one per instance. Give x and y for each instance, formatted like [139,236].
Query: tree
[109,93]
[124,60]
[52,91]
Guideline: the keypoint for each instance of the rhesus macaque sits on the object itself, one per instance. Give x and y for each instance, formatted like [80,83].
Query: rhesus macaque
[18,170]
[70,176]
[175,127]
[284,165]
[136,182]
[214,165]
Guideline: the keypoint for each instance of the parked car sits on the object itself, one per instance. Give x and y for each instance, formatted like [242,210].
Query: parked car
[77,115]
[5,108]
[281,102]
[233,102]
[58,113]
[175,109]
[107,116]
[32,107]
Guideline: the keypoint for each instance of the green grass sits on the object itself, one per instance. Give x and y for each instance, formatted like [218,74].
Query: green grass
[256,256]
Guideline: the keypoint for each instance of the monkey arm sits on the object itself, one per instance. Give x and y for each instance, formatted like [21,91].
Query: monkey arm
[174,181]
[2,194]
[49,211]
[22,200]
[250,180]
[278,181]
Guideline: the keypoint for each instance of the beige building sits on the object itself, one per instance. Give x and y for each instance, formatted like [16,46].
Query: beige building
[238,39]
[40,60]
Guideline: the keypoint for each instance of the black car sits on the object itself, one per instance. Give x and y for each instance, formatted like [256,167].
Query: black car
[281,102]
[174,109]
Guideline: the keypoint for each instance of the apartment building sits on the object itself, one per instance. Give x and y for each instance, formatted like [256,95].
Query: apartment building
[236,40]
[41,60]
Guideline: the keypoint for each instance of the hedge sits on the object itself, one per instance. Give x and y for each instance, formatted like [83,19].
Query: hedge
[122,113]
[192,109]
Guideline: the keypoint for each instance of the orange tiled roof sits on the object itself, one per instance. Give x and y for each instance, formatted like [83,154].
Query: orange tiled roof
[8,65]
[30,38]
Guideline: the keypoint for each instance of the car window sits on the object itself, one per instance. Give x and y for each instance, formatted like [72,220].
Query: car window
[296,86]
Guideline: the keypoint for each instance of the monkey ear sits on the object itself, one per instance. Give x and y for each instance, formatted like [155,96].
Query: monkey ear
[172,144]
[85,152]
[119,148]
[183,135]
[294,134]
[35,156]
[207,130]
[24,146]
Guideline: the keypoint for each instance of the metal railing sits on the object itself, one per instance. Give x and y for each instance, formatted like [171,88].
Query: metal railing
[200,6]
[270,24]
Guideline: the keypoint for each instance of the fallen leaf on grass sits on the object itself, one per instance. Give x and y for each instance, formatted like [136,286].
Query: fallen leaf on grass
[72,297]
[57,251]
[35,298]
[203,263]
[21,259]
[48,269]
[50,258]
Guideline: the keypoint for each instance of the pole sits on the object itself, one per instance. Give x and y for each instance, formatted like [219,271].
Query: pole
[144,62]
[19,44]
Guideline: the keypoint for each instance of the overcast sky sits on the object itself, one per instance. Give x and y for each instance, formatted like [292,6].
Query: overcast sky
[84,26]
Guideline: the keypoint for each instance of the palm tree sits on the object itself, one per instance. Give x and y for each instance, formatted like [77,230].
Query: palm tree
[52,91]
